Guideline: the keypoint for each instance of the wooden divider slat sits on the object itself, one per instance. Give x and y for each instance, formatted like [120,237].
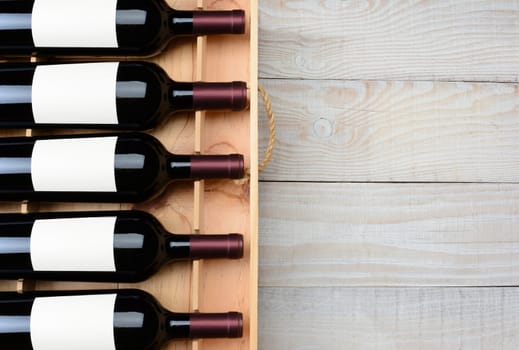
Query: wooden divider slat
[198,185]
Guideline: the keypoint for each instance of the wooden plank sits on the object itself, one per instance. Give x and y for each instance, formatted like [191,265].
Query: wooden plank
[389,318]
[390,39]
[393,131]
[389,235]
[253,181]
[229,206]
[198,189]
[8,286]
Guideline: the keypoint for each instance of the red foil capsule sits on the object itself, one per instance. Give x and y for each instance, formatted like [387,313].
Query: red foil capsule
[210,166]
[220,95]
[219,22]
[225,325]
[214,246]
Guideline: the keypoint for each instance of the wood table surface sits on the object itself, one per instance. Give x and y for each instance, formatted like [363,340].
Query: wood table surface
[389,214]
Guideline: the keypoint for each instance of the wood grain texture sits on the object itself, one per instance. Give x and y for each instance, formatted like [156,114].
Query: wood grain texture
[253,177]
[389,318]
[224,285]
[390,39]
[393,131]
[317,234]
[390,91]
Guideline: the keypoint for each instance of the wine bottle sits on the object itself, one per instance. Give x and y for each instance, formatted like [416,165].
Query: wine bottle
[125,319]
[114,95]
[103,246]
[103,27]
[126,167]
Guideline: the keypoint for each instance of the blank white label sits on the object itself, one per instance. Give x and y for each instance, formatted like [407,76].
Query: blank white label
[73,244]
[82,93]
[74,23]
[82,322]
[76,164]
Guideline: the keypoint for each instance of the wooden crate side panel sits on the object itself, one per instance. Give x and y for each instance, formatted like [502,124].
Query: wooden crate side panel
[254,190]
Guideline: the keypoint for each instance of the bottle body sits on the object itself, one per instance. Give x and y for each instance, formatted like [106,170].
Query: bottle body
[103,246]
[99,320]
[114,95]
[97,27]
[127,167]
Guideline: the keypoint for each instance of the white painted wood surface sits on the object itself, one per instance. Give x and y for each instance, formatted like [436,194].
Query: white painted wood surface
[333,234]
[389,318]
[389,215]
[476,40]
[394,131]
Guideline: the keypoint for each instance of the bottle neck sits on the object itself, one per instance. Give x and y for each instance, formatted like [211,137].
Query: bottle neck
[181,97]
[206,22]
[181,22]
[207,96]
[178,325]
[205,166]
[200,325]
[178,247]
[179,167]
[181,247]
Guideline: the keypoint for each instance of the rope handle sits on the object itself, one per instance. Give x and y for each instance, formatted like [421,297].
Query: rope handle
[272,129]
[272,137]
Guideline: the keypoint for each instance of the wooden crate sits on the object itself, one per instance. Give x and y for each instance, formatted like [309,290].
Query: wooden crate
[215,206]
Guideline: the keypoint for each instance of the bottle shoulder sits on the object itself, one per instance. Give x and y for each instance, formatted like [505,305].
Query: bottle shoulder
[142,95]
[148,19]
[138,320]
[139,246]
